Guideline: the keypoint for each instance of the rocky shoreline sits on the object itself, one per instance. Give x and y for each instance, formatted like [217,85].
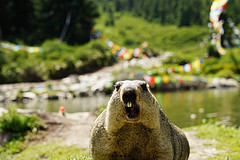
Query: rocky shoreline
[101,81]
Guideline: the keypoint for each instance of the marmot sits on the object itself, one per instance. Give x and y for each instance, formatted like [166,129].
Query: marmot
[134,127]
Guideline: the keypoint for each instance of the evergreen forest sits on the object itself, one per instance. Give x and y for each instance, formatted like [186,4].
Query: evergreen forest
[33,21]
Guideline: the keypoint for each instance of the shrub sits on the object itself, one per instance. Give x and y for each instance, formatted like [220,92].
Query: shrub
[226,73]
[18,124]
[58,60]
[179,59]
[211,66]
[225,66]
[212,51]
[128,42]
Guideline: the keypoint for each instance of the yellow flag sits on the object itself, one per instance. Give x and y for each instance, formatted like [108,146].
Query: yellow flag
[165,79]
[180,69]
[197,63]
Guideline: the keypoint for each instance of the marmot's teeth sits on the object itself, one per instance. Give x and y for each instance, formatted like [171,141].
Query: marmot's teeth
[129,104]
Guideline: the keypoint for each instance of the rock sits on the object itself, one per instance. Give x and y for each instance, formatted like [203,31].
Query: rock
[53,97]
[40,89]
[44,96]
[2,98]
[79,88]
[63,88]
[84,94]
[70,80]
[27,111]
[222,82]
[60,95]
[101,83]
[68,95]
[3,110]
[232,83]
[145,62]
[29,95]
[4,138]
[76,87]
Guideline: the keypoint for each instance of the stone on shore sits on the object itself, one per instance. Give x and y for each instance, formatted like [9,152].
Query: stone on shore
[222,82]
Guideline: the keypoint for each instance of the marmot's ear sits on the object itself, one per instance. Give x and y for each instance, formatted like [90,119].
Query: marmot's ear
[118,85]
[144,86]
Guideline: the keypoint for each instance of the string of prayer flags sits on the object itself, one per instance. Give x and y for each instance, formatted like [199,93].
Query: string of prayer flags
[180,69]
[166,79]
[109,43]
[158,79]
[95,34]
[14,47]
[152,80]
[216,9]
[147,78]
[195,65]
[125,53]
[145,45]
[225,33]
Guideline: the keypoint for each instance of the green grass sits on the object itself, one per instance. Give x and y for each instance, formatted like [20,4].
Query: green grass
[228,140]
[49,151]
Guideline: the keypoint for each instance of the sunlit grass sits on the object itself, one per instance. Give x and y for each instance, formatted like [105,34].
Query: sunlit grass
[228,140]
[52,151]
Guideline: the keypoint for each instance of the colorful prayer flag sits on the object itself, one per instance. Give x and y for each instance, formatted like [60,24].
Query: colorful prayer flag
[165,79]
[158,79]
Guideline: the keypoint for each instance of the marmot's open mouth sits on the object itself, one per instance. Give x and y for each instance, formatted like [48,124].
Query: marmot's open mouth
[132,110]
[129,99]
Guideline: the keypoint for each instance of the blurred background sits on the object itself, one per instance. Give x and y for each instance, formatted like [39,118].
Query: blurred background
[72,52]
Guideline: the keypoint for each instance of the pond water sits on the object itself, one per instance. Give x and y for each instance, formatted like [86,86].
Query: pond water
[183,108]
[188,108]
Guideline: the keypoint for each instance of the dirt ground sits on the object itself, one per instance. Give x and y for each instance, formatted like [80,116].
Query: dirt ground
[74,129]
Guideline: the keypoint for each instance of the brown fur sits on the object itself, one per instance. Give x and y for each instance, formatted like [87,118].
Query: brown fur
[150,136]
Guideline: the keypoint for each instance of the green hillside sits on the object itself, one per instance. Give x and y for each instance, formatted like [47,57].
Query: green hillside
[186,43]
[130,32]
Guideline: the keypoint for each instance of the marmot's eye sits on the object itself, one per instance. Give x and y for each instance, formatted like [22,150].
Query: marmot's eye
[144,86]
[118,85]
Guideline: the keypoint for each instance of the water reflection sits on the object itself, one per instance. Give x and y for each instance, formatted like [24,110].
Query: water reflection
[83,104]
[187,108]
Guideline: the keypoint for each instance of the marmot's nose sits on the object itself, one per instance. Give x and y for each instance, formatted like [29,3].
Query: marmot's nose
[129,95]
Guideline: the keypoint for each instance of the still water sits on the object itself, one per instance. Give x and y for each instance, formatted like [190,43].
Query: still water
[183,108]
[188,108]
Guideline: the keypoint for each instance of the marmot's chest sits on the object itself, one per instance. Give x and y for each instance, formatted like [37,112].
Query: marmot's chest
[133,137]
